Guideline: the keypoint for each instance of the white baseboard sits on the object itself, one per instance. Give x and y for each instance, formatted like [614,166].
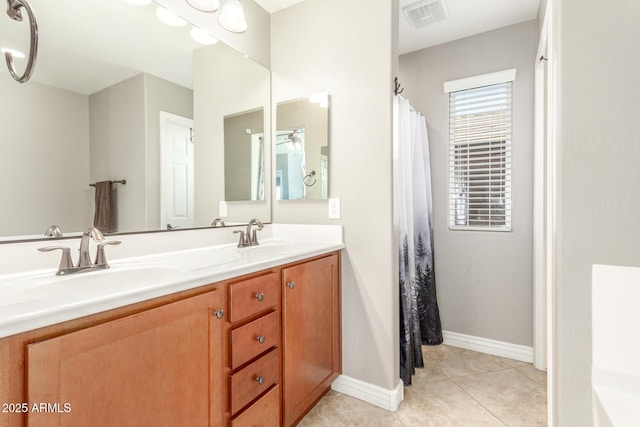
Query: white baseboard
[370,393]
[489,346]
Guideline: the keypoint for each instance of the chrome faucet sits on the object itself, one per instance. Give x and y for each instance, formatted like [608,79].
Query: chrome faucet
[249,238]
[90,233]
[84,261]
[218,221]
[251,235]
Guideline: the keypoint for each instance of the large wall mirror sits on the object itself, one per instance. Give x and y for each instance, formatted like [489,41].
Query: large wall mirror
[302,148]
[118,95]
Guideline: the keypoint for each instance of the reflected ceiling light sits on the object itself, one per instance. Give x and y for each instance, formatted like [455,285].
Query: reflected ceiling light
[169,18]
[13,52]
[202,37]
[139,2]
[232,17]
[204,5]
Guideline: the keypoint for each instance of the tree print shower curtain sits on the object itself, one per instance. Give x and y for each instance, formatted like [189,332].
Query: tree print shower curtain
[419,315]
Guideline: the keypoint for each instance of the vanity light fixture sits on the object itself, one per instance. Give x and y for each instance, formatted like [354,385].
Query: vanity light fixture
[169,18]
[231,16]
[204,5]
[202,37]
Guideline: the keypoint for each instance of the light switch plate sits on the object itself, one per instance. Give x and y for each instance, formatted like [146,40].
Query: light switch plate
[334,208]
[222,210]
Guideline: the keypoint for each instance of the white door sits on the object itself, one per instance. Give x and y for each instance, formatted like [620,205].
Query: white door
[177,175]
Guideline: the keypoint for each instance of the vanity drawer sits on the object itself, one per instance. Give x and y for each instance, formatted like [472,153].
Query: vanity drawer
[255,379]
[252,296]
[264,413]
[254,338]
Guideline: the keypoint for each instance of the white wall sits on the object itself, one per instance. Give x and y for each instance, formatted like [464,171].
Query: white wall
[317,45]
[598,205]
[483,279]
[47,129]
[225,83]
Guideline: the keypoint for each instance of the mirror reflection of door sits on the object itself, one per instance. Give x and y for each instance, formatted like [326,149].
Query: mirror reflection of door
[177,175]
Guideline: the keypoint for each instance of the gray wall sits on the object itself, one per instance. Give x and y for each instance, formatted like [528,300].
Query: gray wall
[160,95]
[598,204]
[46,128]
[125,143]
[484,279]
[318,46]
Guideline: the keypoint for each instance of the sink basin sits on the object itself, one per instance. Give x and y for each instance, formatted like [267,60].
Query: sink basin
[46,286]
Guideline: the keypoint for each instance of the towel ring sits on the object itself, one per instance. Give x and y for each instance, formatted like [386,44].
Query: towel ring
[312,174]
[14,12]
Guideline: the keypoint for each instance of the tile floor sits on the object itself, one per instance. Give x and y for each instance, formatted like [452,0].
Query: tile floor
[456,387]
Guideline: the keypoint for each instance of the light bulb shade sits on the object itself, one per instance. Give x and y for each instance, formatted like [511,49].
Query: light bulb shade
[204,5]
[232,17]
[202,37]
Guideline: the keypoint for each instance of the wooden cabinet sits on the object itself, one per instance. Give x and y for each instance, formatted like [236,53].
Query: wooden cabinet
[161,367]
[254,350]
[171,361]
[311,334]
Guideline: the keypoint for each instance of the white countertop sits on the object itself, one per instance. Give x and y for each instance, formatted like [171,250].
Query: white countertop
[37,298]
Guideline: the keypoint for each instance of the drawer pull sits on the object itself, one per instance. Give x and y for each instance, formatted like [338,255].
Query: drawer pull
[261,339]
[260,296]
[219,314]
[291,285]
[260,379]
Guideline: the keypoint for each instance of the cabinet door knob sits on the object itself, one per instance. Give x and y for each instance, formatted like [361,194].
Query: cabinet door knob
[260,296]
[261,339]
[291,285]
[219,314]
[260,379]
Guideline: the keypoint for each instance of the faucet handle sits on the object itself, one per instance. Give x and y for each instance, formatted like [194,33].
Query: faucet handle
[101,258]
[66,264]
[242,242]
[254,237]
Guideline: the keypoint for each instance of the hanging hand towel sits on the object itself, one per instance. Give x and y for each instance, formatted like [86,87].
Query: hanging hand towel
[103,219]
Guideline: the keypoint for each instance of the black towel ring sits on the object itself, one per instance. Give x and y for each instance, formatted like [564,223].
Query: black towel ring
[311,174]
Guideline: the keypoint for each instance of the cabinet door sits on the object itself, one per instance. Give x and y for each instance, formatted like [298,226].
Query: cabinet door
[161,367]
[311,333]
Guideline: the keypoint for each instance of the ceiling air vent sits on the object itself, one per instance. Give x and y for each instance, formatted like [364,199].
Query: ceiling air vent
[426,12]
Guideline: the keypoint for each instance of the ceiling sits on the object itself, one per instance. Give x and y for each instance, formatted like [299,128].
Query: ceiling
[466,18]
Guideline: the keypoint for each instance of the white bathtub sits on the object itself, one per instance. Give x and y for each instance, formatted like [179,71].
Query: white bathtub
[615,372]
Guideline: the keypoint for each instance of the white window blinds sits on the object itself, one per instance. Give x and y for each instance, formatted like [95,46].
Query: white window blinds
[480,155]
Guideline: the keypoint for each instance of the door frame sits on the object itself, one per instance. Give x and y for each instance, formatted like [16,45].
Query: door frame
[164,119]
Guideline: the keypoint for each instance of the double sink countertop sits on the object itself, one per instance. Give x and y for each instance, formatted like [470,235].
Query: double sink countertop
[38,298]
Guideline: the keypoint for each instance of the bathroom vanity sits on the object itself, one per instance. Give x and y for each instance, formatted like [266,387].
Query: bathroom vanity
[256,348]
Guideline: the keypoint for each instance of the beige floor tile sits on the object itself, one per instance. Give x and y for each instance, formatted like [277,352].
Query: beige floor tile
[483,390]
[338,410]
[538,376]
[468,363]
[512,363]
[442,404]
[510,395]
[428,373]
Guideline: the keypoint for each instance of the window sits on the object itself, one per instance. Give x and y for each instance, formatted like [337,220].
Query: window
[480,152]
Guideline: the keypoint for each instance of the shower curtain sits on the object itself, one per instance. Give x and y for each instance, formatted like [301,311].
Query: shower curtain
[419,315]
